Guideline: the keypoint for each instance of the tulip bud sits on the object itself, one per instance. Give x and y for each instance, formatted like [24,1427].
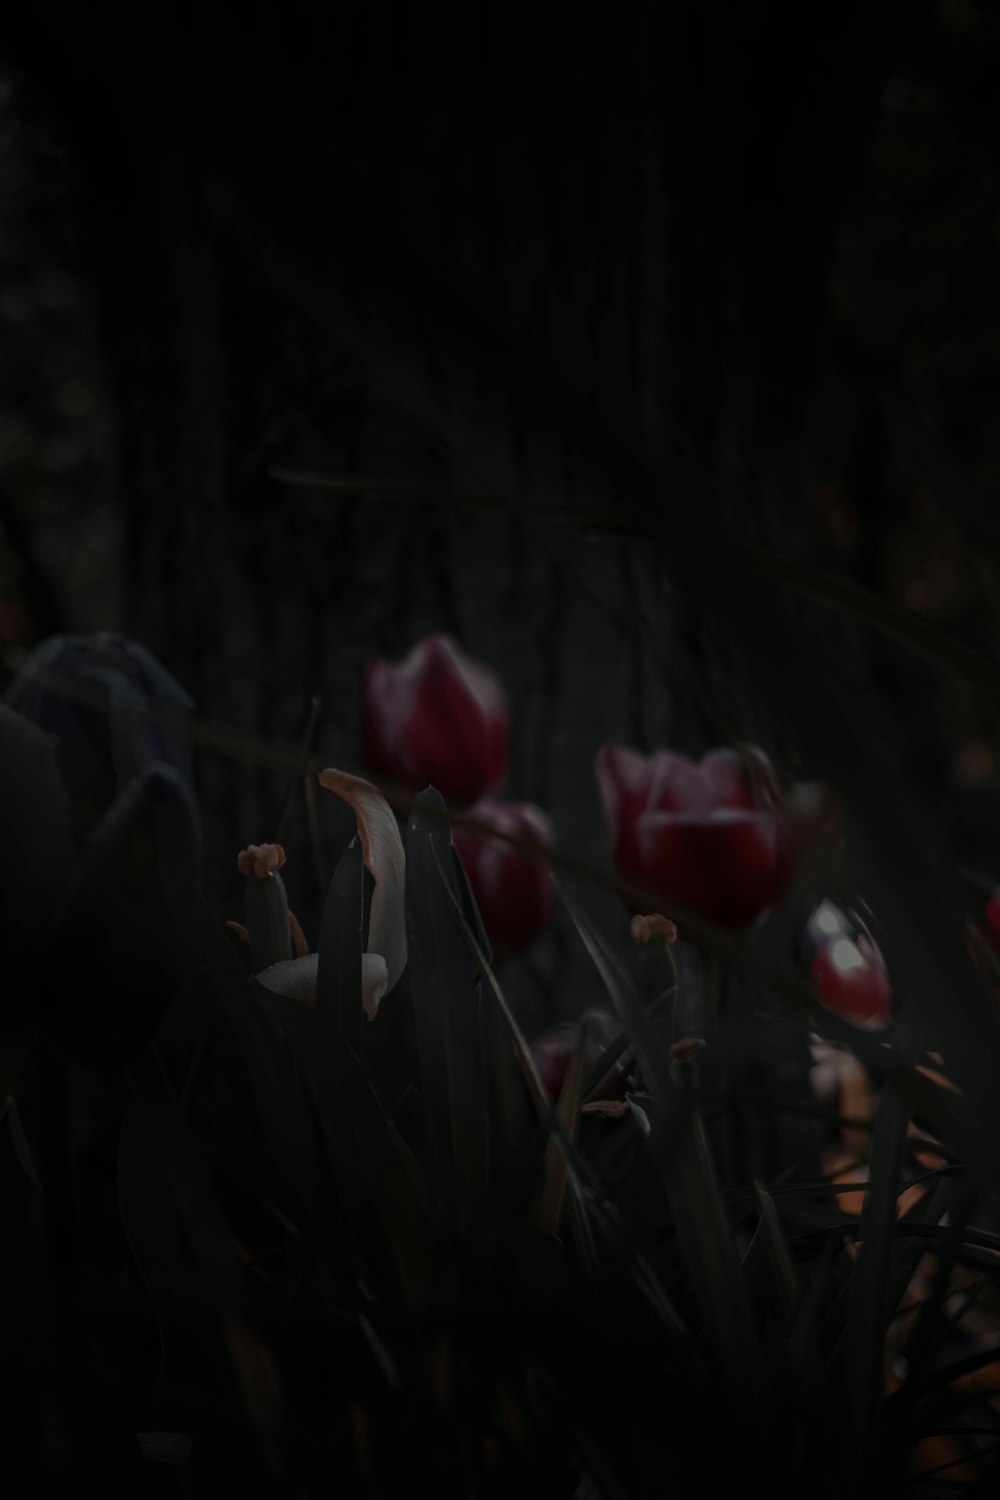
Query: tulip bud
[438,718]
[992,915]
[513,893]
[553,1049]
[847,970]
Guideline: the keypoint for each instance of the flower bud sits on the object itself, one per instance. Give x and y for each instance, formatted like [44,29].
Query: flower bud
[553,1049]
[847,971]
[438,718]
[513,892]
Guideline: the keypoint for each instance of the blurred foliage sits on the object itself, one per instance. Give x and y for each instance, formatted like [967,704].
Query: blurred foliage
[59,530]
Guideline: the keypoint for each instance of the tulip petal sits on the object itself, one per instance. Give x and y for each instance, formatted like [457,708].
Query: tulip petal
[455,731]
[727,776]
[382,851]
[676,784]
[294,977]
[374,982]
[622,776]
[728,868]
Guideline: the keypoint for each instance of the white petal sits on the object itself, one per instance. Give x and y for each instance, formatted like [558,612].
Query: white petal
[295,977]
[374,982]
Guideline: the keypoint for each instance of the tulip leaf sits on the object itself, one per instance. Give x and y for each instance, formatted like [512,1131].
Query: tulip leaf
[777,1251]
[567,1113]
[125,939]
[449,1039]
[166,1198]
[382,850]
[339,972]
[261,1071]
[587,1195]
[869,1310]
[371,1161]
[649,1051]
[39,857]
[13,1130]
[266,909]
[696,1204]
[470,907]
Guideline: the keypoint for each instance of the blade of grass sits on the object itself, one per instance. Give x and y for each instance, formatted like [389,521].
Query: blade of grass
[339,970]
[456,1122]
[567,1112]
[581,1179]
[869,1313]
[781,1262]
[699,1213]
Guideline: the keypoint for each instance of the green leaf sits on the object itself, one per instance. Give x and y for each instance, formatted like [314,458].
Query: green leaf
[650,1053]
[166,1195]
[869,1310]
[13,1130]
[371,1164]
[567,1113]
[385,860]
[261,1071]
[679,1145]
[126,937]
[449,1040]
[585,1188]
[470,908]
[265,905]
[341,943]
[39,858]
[781,1262]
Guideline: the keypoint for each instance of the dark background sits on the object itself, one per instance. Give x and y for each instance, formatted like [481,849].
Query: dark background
[733,268]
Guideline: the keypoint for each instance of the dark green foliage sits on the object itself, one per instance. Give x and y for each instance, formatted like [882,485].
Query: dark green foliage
[452,1082]
[341,944]
[283,1244]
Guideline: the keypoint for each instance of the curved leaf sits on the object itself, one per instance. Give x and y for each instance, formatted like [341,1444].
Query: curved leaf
[382,851]
[341,941]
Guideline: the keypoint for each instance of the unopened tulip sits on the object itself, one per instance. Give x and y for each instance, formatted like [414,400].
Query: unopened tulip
[554,1048]
[847,970]
[438,718]
[513,892]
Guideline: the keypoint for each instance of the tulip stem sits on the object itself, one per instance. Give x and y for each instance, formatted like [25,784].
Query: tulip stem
[709,974]
[322,880]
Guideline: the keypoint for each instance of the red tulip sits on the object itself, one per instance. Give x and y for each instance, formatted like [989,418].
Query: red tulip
[852,982]
[553,1049]
[437,718]
[847,970]
[513,893]
[714,838]
[992,914]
